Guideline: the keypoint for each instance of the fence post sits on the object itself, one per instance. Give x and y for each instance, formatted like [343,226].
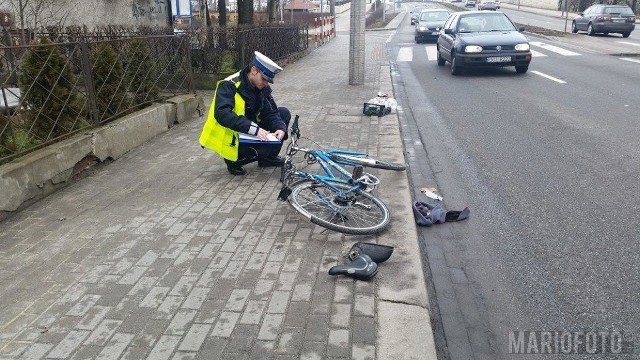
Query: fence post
[186,44]
[88,80]
[241,48]
[11,60]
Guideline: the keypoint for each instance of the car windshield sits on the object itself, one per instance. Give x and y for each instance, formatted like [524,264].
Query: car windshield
[434,16]
[622,10]
[485,22]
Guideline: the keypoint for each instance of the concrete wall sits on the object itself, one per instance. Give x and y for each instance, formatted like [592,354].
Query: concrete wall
[130,13]
[38,174]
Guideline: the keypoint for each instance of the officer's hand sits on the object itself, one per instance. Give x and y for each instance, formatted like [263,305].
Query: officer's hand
[262,134]
[279,134]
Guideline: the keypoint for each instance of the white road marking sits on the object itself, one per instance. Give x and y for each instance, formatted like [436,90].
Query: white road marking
[628,43]
[537,54]
[405,54]
[431,52]
[630,59]
[548,77]
[555,49]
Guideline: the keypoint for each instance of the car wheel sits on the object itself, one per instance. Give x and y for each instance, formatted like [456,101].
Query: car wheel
[626,35]
[590,30]
[522,69]
[455,68]
[439,58]
[574,28]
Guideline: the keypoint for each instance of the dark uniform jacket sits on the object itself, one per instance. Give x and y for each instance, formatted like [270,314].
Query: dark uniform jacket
[260,108]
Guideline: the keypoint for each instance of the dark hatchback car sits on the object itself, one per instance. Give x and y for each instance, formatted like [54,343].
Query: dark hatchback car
[605,19]
[429,24]
[473,39]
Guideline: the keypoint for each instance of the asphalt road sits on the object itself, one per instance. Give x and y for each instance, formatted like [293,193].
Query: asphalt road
[549,163]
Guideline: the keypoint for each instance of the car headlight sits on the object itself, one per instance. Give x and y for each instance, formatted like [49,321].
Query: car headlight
[472,49]
[422,28]
[522,47]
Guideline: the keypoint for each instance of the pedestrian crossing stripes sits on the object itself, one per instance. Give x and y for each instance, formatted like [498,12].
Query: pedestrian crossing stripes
[629,43]
[537,53]
[431,52]
[405,53]
[630,59]
[555,49]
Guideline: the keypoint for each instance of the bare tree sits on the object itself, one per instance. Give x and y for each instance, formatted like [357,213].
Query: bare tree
[245,12]
[35,13]
[222,13]
[272,7]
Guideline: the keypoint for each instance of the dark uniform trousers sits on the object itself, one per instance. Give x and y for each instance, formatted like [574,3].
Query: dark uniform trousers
[250,152]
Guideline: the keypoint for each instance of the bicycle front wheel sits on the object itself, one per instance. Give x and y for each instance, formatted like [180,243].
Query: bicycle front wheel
[367,161]
[363,214]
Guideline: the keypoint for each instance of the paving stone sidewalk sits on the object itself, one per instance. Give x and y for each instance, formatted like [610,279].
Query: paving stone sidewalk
[164,255]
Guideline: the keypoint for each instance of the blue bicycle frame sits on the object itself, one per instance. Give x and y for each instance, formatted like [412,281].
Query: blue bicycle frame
[327,165]
[356,180]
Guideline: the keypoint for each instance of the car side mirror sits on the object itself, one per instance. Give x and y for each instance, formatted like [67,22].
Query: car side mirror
[448,31]
[520,28]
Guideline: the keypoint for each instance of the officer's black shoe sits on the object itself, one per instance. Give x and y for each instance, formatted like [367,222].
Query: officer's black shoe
[271,161]
[235,169]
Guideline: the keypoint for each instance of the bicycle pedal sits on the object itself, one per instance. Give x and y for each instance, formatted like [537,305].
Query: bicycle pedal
[284,193]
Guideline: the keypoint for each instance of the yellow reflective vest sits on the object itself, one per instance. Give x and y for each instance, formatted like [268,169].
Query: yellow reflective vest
[218,138]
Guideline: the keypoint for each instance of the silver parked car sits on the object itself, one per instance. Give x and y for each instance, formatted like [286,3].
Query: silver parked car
[487,5]
[605,19]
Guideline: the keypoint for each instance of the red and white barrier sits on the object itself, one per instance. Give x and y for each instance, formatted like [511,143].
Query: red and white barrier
[323,28]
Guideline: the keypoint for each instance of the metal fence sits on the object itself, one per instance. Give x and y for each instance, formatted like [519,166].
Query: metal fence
[58,82]
[52,90]
[225,50]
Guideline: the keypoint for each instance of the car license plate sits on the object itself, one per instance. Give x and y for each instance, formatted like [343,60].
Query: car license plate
[496,59]
[618,20]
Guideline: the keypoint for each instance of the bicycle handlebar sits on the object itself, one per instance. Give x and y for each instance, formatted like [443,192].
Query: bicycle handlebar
[295,130]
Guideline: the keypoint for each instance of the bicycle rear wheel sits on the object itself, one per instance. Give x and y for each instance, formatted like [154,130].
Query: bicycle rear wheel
[367,161]
[364,214]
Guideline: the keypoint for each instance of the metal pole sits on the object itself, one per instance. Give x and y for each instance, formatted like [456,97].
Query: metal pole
[384,8]
[566,14]
[357,42]
[322,21]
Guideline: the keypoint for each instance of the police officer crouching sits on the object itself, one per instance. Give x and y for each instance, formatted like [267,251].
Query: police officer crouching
[242,104]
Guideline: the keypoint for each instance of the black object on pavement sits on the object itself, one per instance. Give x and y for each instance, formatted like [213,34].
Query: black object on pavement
[360,268]
[377,252]
[428,214]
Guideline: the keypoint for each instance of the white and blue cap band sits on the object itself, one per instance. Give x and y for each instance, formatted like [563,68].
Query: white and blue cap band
[268,68]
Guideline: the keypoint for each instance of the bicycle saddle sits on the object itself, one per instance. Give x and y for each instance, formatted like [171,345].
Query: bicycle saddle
[378,253]
[360,268]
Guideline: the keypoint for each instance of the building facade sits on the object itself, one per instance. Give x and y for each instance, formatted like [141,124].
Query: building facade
[92,13]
